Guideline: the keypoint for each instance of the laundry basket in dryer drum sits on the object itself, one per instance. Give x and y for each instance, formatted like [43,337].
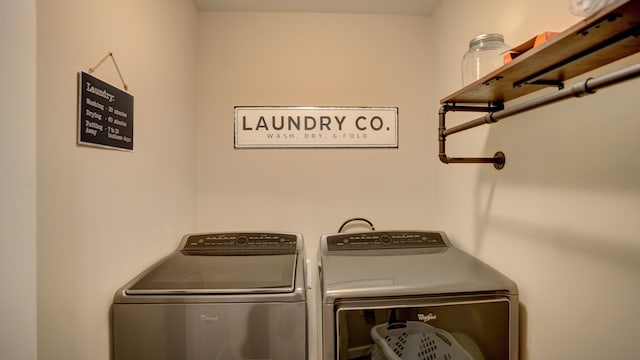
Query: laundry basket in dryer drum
[415,340]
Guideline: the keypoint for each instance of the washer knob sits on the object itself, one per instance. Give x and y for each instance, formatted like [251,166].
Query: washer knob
[385,239]
[242,240]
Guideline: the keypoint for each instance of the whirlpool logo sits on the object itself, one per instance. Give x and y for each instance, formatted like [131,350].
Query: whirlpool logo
[426,318]
[205,317]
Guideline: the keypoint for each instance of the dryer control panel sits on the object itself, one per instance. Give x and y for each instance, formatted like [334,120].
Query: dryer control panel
[385,240]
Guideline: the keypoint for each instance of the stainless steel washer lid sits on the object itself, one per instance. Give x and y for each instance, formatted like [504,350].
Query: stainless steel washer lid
[218,274]
[233,264]
[403,267]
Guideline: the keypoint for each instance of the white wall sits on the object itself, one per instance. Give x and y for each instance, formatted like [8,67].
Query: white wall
[565,231]
[561,218]
[313,60]
[104,215]
[18,180]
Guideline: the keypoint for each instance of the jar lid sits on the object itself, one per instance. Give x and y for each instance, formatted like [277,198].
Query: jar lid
[485,37]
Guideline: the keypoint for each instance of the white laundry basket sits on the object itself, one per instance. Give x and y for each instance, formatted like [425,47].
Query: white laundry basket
[415,340]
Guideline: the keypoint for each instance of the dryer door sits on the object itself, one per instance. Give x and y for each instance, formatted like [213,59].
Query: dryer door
[462,327]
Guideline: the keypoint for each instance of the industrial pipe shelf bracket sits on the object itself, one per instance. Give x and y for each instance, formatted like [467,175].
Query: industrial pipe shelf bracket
[498,159]
[496,112]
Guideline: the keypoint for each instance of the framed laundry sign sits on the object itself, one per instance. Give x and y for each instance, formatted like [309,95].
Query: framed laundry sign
[105,114]
[315,127]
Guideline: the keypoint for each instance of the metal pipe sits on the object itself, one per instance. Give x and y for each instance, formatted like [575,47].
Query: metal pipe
[498,160]
[487,109]
[441,138]
[471,160]
[486,119]
[469,108]
[615,77]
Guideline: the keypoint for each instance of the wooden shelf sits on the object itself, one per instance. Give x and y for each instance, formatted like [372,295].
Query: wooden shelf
[604,37]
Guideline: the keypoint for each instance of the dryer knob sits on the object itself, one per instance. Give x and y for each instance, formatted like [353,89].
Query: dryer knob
[242,240]
[385,239]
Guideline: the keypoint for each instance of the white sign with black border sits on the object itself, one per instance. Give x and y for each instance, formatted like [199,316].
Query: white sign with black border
[315,127]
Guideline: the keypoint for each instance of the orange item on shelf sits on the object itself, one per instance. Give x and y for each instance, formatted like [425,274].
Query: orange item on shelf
[528,45]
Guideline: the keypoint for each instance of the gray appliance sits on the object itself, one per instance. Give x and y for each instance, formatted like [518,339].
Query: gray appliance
[412,295]
[218,296]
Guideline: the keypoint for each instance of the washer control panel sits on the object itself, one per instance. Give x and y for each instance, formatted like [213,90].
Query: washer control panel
[241,242]
[385,240]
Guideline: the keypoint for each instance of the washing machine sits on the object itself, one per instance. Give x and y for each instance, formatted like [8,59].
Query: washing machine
[412,295]
[221,296]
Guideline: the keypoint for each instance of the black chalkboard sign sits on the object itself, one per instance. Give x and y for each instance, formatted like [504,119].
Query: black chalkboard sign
[105,114]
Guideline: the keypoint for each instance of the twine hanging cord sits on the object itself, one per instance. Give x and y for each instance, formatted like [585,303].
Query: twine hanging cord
[110,54]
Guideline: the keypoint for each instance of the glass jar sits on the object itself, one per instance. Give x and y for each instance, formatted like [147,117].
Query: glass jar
[484,55]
